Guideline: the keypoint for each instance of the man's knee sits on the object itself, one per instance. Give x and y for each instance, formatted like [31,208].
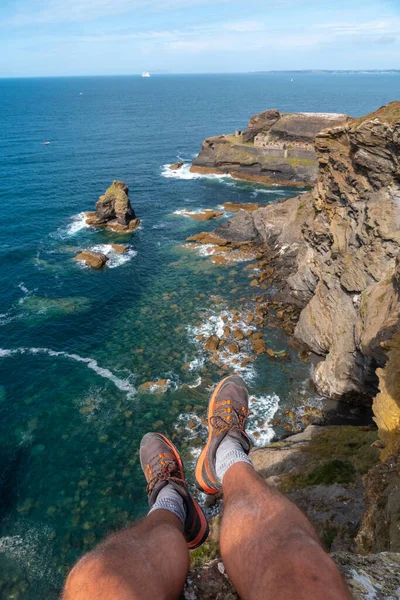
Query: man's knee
[85,577]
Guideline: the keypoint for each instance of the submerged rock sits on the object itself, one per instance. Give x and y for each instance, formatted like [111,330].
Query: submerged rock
[160,385]
[114,210]
[212,343]
[205,215]
[96,260]
[119,248]
[176,166]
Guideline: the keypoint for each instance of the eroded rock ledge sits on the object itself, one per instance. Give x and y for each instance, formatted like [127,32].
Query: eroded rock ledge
[275,148]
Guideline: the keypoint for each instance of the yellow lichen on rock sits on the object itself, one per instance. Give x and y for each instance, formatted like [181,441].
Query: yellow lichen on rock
[386,405]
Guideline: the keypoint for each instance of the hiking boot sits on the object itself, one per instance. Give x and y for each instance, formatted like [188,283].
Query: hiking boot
[227,414]
[161,466]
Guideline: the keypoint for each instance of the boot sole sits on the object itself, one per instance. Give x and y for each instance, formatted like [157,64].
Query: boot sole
[204,480]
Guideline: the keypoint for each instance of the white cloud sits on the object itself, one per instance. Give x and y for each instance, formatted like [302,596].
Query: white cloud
[385,27]
[244,26]
[61,11]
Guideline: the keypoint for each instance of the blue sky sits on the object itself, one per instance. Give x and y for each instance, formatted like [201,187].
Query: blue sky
[101,37]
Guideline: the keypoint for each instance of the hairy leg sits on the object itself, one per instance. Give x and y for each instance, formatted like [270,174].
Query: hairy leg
[269,548]
[145,562]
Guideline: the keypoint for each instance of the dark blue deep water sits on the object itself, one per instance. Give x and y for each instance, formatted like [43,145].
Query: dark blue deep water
[75,343]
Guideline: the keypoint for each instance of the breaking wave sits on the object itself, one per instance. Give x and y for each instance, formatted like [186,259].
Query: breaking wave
[262,411]
[114,259]
[184,173]
[77,223]
[122,384]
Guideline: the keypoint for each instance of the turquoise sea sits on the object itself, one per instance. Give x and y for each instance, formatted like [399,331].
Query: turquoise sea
[76,344]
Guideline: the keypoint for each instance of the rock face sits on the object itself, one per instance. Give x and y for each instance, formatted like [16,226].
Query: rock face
[114,210]
[338,248]
[341,244]
[96,260]
[274,148]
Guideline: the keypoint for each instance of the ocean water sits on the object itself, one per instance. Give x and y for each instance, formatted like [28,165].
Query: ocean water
[76,344]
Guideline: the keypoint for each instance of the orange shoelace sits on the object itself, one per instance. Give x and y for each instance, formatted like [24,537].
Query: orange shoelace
[161,468]
[227,417]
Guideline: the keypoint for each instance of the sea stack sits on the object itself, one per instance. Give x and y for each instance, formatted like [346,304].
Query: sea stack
[114,210]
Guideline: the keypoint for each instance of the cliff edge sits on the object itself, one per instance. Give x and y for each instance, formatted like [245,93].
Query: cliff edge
[336,253]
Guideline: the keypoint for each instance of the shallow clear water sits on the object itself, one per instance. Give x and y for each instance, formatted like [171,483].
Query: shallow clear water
[75,343]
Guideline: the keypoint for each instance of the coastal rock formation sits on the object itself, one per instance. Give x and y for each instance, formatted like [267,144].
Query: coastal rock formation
[114,210]
[335,254]
[96,260]
[340,246]
[274,148]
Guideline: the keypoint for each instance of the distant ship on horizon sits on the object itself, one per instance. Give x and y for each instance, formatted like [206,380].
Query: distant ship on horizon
[145,74]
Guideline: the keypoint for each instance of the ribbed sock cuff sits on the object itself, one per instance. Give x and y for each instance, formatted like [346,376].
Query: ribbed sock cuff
[229,453]
[169,499]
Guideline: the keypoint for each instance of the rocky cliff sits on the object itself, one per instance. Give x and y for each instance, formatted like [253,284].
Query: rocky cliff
[274,148]
[342,243]
[335,252]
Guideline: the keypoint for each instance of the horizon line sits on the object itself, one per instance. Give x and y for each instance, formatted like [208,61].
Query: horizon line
[164,74]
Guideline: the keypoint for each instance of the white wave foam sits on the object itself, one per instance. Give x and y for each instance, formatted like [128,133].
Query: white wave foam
[185,174]
[197,363]
[78,223]
[214,324]
[6,318]
[122,384]
[196,383]
[274,192]
[23,288]
[161,225]
[263,409]
[114,259]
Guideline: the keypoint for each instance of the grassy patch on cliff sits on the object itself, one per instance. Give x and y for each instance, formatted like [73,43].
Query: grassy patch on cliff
[210,549]
[389,113]
[327,473]
[336,455]
[300,162]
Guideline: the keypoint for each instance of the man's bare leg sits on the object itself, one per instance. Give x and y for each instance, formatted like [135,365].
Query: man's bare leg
[269,548]
[147,561]
[150,560]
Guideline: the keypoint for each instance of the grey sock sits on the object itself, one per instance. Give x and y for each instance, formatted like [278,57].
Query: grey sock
[229,452]
[169,499]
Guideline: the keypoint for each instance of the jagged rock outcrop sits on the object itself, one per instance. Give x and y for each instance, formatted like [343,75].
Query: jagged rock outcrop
[346,237]
[114,210]
[380,530]
[274,148]
[338,248]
